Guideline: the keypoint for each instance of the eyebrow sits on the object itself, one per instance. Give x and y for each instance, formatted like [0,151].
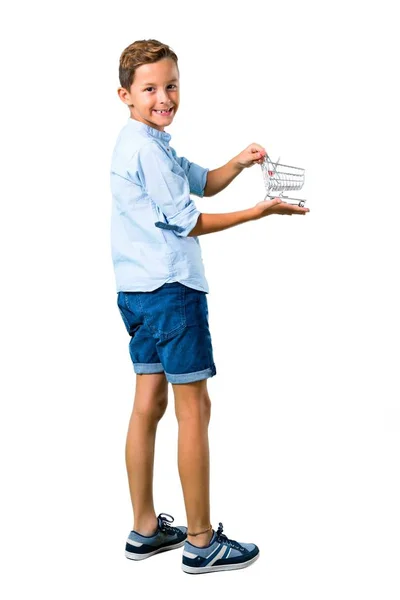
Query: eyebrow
[155,84]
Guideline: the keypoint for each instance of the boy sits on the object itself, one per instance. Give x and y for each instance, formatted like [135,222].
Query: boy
[162,291]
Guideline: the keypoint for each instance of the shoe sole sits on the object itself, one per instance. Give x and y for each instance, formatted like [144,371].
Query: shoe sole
[133,556]
[231,567]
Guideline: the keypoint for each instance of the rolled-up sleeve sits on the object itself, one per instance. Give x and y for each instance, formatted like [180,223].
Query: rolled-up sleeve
[168,191]
[196,175]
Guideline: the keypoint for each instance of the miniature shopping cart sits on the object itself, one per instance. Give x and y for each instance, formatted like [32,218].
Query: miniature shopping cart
[282,178]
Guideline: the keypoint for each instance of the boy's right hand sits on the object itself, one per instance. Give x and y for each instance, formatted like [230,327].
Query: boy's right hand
[276,206]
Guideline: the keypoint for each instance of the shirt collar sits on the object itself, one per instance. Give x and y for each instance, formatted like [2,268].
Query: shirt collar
[156,133]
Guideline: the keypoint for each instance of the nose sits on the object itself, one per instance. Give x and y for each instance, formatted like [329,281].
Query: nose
[163,97]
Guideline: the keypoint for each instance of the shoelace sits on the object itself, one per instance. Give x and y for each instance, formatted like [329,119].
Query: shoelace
[164,523]
[221,537]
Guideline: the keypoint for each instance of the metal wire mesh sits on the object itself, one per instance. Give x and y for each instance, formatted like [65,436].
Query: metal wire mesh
[282,178]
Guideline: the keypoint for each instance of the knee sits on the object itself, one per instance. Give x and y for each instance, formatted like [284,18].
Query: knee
[206,407]
[197,406]
[160,406]
[151,407]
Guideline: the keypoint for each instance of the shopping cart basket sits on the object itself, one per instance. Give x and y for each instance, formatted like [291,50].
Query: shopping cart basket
[282,178]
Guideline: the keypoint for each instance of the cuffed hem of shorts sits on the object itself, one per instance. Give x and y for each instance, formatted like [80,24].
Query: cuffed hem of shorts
[190,377]
[142,368]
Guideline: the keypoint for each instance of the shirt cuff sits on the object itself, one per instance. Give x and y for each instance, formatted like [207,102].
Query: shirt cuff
[197,177]
[182,223]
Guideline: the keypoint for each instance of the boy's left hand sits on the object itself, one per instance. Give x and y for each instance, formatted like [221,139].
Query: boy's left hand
[253,154]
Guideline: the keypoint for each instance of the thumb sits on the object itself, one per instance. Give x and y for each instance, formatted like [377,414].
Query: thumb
[256,150]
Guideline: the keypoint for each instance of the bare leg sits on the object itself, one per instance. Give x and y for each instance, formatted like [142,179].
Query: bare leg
[151,399]
[193,409]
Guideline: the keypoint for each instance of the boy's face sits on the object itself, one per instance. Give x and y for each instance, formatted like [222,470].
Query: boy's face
[155,87]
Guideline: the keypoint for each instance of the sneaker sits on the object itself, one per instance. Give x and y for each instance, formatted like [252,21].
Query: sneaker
[221,554]
[165,538]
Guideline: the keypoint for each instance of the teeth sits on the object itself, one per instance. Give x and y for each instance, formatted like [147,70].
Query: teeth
[160,112]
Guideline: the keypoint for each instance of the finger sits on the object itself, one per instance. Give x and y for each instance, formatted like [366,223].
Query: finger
[301,210]
[294,208]
[258,150]
[269,204]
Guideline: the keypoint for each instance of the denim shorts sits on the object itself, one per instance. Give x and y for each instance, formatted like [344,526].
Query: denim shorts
[169,332]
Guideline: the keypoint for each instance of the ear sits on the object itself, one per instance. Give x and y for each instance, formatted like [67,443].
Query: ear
[124,96]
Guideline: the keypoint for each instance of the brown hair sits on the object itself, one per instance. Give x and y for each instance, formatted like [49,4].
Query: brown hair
[139,53]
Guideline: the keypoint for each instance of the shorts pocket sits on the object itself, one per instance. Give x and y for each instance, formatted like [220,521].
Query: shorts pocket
[196,308]
[163,310]
[132,323]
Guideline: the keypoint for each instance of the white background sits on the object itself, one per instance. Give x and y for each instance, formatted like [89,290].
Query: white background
[304,319]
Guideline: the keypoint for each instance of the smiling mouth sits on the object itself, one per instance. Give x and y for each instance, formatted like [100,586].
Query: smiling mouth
[164,112]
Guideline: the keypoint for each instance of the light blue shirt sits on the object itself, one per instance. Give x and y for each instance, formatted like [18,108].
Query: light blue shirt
[152,212]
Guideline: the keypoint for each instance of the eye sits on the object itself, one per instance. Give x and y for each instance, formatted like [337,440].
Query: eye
[151,88]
